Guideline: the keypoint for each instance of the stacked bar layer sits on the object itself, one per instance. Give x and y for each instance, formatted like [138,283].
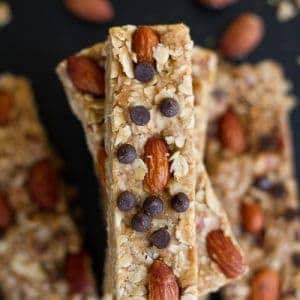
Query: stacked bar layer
[41,254]
[88,107]
[249,157]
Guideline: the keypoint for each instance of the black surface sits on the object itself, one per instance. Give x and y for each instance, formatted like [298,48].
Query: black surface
[42,33]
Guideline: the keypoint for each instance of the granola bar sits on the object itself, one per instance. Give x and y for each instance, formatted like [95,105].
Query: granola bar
[40,246]
[249,157]
[88,107]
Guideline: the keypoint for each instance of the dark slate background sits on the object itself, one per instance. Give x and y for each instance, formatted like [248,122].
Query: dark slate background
[42,33]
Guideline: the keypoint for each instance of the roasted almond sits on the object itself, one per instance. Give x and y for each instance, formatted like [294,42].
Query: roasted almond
[144,40]
[252,217]
[223,252]
[265,285]
[162,282]
[242,36]
[77,273]
[217,4]
[43,184]
[86,75]
[232,133]
[101,156]
[6,214]
[91,10]
[6,104]
[156,156]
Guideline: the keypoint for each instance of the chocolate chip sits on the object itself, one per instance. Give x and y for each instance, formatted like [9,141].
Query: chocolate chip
[139,115]
[180,202]
[144,72]
[297,235]
[268,143]
[126,201]
[292,214]
[153,206]
[278,191]
[160,238]
[126,154]
[263,183]
[296,259]
[219,94]
[141,222]
[169,107]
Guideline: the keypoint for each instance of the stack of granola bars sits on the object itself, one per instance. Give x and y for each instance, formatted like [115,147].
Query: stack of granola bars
[195,162]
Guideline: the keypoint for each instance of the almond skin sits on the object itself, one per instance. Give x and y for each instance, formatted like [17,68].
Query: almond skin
[97,11]
[77,273]
[265,285]
[6,104]
[86,75]
[144,40]
[6,214]
[252,217]
[217,4]
[101,156]
[156,158]
[162,282]
[223,252]
[242,36]
[43,184]
[232,133]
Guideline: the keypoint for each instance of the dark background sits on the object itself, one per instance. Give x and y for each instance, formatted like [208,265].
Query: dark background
[42,33]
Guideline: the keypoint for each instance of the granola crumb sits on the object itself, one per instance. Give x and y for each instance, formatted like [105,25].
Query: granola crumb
[286,10]
[5,13]
[298,60]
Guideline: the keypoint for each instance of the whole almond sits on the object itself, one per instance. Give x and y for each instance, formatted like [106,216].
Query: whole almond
[223,252]
[97,11]
[217,4]
[162,282]
[77,273]
[242,36]
[101,156]
[86,75]
[232,133]
[6,104]
[144,40]
[6,214]
[43,184]
[252,217]
[265,285]
[156,158]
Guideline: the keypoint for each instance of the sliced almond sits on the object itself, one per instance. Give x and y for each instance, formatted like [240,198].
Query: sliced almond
[162,282]
[222,251]
[156,159]
[144,40]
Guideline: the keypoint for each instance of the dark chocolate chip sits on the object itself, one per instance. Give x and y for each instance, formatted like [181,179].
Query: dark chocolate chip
[263,183]
[180,202]
[126,201]
[139,115]
[126,154]
[296,259]
[268,143]
[160,238]
[292,214]
[144,72]
[297,235]
[153,206]
[141,222]
[278,191]
[219,94]
[169,107]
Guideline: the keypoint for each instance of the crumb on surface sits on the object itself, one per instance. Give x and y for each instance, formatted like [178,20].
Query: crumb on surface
[5,13]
